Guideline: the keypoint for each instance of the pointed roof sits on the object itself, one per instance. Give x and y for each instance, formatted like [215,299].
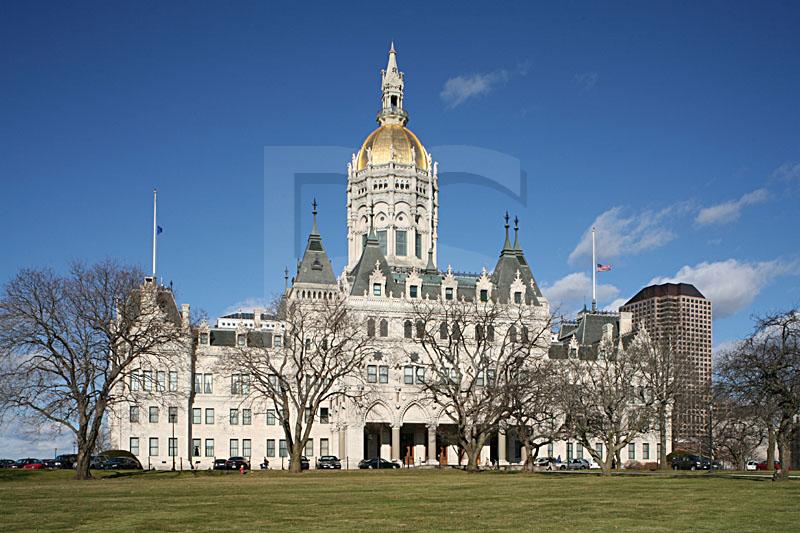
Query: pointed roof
[315,267]
[510,262]
[391,65]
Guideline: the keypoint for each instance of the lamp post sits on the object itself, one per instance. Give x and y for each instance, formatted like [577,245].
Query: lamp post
[174,444]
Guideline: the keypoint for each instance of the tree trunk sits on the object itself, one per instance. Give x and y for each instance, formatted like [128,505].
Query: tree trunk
[530,460]
[770,448]
[472,458]
[785,454]
[606,464]
[295,465]
[83,462]
[662,437]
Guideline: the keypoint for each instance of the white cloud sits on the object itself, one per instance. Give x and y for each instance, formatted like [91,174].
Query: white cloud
[730,211]
[788,172]
[731,285]
[616,304]
[618,234]
[247,305]
[570,292]
[586,80]
[459,89]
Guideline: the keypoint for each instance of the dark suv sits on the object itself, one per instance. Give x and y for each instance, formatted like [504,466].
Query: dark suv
[235,463]
[66,460]
[690,462]
[329,462]
[121,463]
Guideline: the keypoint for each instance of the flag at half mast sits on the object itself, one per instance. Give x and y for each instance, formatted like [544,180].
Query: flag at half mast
[603,268]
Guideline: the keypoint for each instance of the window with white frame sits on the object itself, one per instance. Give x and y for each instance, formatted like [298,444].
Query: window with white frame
[324,447]
[372,374]
[208,383]
[234,417]
[173,381]
[161,381]
[153,446]
[153,415]
[195,447]
[550,449]
[383,374]
[209,447]
[172,447]
[134,445]
[645,450]
[420,374]
[270,417]
[309,449]
[234,448]
[247,448]
[632,451]
[247,417]
[270,447]
[147,380]
[134,380]
[133,414]
[197,415]
[172,414]
[408,375]
[569,451]
[198,383]
[282,451]
[579,450]
[598,448]
[400,243]
[324,415]
[210,415]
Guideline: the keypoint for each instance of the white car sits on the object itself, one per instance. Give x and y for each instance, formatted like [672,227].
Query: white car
[593,465]
[750,465]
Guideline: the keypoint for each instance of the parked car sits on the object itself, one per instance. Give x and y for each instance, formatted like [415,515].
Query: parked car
[690,462]
[28,463]
[751,465]
[763,465]
[220,464]
[377,462]
[121,463]
[329,462]
[49,464]
[235,463]
[6,463]
[593,465]
[67,460]
[97,462]
[544,461]
[575,464]
[716,465]
[304,464]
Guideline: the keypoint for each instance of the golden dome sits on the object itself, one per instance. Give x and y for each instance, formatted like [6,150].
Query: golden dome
[390,137]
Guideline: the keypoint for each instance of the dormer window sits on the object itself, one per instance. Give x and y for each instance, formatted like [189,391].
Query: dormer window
[204,339]
[376,289]
[448,293]
[484,295]
[412,291]
[240,340]
[518,297]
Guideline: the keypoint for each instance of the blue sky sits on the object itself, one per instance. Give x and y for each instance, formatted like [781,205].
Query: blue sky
[673,127]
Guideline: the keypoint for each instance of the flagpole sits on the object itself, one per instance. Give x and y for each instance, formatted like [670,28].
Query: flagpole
[155,228]
[594,275]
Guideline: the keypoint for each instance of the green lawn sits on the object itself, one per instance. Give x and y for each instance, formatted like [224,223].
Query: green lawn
[393,500]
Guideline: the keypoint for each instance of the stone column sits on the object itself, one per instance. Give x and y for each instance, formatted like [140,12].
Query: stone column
[395,443]
[342,442]
[501,447]
[432,444]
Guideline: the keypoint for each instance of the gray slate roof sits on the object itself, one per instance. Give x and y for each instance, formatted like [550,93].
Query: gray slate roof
[315,267]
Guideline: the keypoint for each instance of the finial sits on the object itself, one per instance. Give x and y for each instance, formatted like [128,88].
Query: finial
[286,277]
[372,217]
[391,48]
[506,217]
[507,244]
[314,230]
[516,232]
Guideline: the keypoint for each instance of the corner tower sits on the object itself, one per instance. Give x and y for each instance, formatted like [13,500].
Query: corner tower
[394,175]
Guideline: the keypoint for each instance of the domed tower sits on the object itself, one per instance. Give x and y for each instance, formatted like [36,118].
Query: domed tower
[393,176]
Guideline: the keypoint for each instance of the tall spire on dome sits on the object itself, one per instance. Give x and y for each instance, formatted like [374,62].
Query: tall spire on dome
[392,111]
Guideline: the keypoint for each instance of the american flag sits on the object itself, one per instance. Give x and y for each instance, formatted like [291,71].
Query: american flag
[603,268]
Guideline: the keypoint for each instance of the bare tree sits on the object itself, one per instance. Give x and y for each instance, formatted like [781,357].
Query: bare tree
[68,342]
[319,360]
[606,401]
[665,372]
[535,408]
[474,353]
[738,429]
[764,371]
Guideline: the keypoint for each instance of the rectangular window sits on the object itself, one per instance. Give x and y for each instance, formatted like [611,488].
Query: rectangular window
[153,417]
[408,375]
[569,451]
[412,291]
[134,445]
[204,338]
[147,377]
[376,289]
[418,245]
[134,414]
[324,415]
[198,383]
[278,339]
[309,450]
[484,295]
[173,381]
[247,417]
[195,447]
[632,451]
[448,293]
[479,379]
[234,448]
[234,417]
[579,450]
[208,383]
[372,376]
[153,446]
[270,417]
[209,447]
[173,446]
[307,414]
[282,448]
[197,415]
[270,447]
[161,381]
[550,450]
[236,383]
[247,448]
[210,416]
[646,451]
[324,447]
[382,241]
[517,297]
[383,374]
[598,448]
[400,244]
[134,383]
[172,413]
[420,375]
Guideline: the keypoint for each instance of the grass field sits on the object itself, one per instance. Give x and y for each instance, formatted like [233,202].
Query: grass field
[393,500]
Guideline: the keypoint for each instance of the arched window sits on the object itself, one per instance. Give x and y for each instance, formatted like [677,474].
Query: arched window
[407,327]
[443,331]
[512,333]
[371,327]
[384,331]
[420,329]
